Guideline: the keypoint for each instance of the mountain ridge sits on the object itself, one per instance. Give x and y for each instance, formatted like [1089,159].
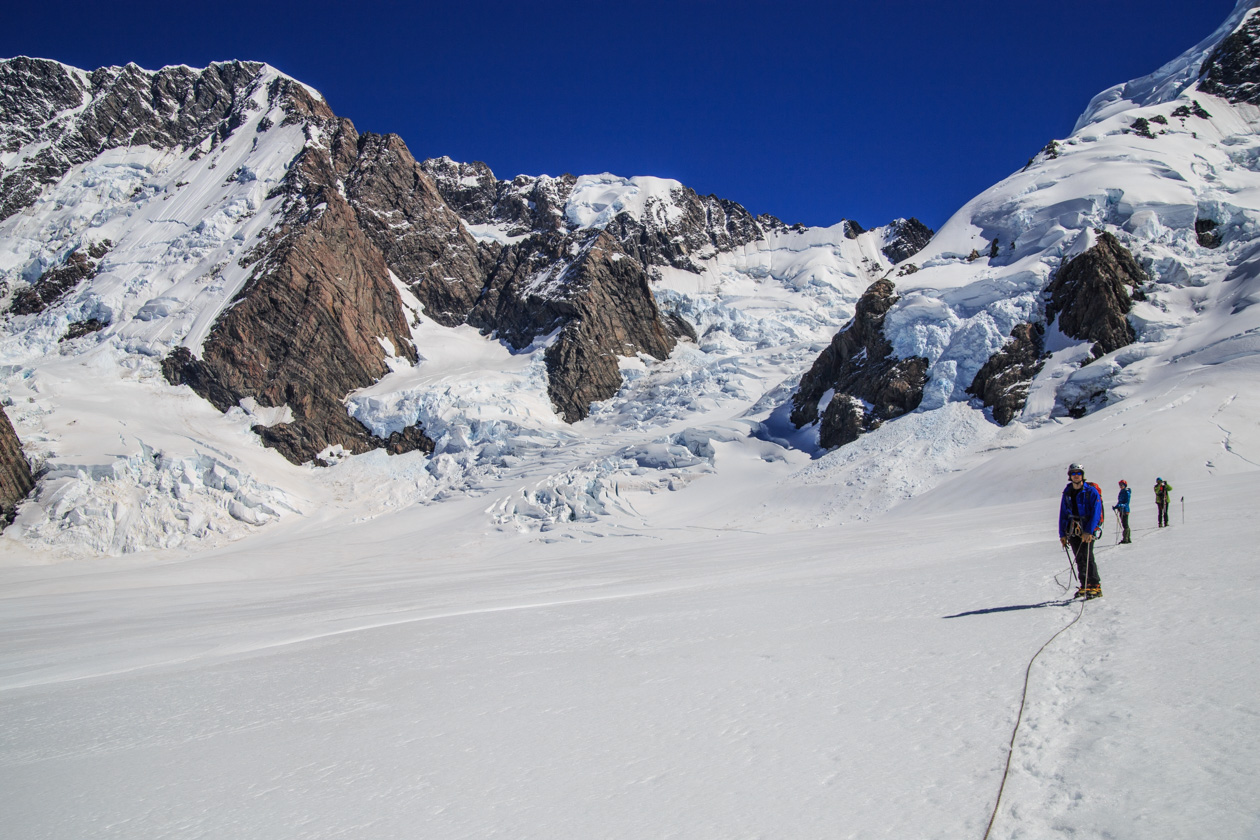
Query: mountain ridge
[561,342]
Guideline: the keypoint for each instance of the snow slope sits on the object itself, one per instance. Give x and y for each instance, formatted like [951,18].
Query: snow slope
[699,680]
[675,618]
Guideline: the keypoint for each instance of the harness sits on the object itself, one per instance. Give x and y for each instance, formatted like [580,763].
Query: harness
[1076,520]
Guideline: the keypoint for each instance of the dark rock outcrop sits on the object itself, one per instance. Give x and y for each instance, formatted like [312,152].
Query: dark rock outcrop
[597,301]
[78,329]
[56,283]
[306,329]
[1090,297]
[1002,384]
[1206,230]
[907,238]
[706,225]
[1232,70]
[16,480]
[523,206]
[869,384]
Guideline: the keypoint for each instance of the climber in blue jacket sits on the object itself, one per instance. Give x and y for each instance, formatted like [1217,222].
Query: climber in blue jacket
[1121,507]
[1080,514]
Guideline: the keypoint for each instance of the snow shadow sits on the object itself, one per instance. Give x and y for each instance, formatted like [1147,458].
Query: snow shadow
[1062,602]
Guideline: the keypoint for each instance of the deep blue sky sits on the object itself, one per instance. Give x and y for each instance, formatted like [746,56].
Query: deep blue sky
[811,111]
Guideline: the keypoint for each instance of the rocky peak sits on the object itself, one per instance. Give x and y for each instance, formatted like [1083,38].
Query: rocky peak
[608,312]
[400,209]
[312,322]
[695,227]
[1232,70]
[584,287]
[672,230]
[470,189]
[32,92]
[1089,295]
[906,237]
[305,331]
[520,207]
[84,114]
[869,384]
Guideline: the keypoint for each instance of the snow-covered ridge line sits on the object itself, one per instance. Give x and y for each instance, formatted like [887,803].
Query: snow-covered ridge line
[1168,82]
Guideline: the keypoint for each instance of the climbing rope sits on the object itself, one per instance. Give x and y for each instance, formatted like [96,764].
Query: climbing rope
[1023,699]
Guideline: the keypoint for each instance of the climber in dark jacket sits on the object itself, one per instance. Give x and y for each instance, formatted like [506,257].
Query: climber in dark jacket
[1080,514]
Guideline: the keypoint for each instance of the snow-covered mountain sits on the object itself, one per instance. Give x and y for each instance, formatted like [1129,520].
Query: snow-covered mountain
[1117,251]
[223,229]
[638,516]
[204,268]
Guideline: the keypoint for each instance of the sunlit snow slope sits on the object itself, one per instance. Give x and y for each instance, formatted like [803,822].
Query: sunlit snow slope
[677,617]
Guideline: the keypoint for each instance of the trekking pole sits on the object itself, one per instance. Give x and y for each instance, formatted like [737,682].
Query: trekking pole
[1091,567]
[1183,510]
[1071,565]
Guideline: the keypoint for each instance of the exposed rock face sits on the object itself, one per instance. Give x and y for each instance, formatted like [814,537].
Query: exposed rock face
[522,206]
[613,314]
[870,385]
[1002,384]
[1090,295]
[1232,71]
[78,329]
[56,283]
[692,226]
[121,106]
[304,331]
[16,481]
[421,238]
[599,300]
[329,274]
[1207,233]
[909,237]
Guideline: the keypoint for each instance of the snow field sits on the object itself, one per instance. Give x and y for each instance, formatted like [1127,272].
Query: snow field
[859,680]
[1138,712]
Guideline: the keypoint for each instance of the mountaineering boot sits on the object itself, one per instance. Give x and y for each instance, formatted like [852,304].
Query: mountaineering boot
[1093,592]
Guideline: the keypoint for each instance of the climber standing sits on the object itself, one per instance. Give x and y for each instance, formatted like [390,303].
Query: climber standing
[1163,495]
[1121,507]
[1080,514]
